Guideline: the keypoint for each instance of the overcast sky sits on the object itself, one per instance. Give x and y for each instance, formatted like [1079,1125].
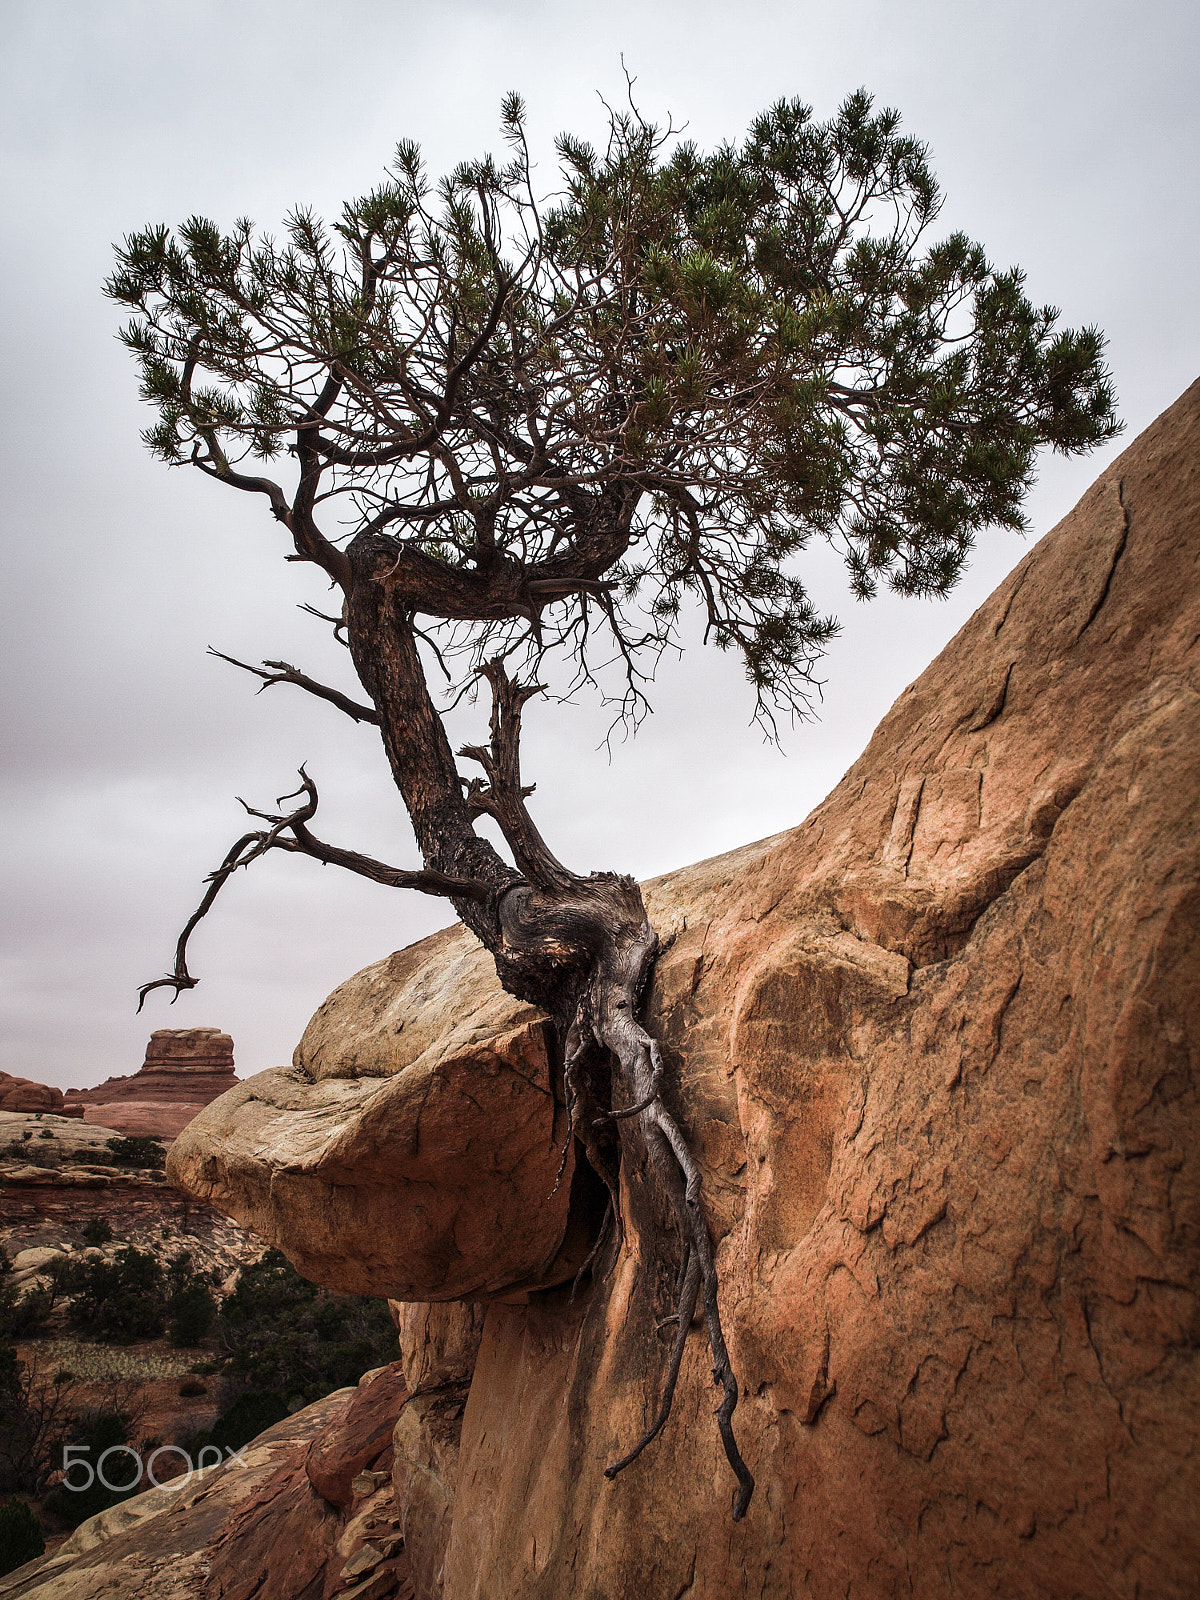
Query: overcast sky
[1065,136]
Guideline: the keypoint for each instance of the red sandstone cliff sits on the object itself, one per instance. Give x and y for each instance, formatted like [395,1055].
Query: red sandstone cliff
[22,1094]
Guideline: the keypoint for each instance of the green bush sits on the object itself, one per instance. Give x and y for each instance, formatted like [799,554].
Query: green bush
[21,1537]
[250,1414]
[22,1315]
[119,1300]
[97,1230]
[288,1337]
[97,1431]
[192,1311]
[139,1150]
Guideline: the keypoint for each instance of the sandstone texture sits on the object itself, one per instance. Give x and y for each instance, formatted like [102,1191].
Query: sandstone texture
[254,1527]
[415,1154]
[22,1094]
[184,1069]
[938,1050]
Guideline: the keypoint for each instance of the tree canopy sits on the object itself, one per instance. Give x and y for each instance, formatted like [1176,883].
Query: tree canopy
[557,421]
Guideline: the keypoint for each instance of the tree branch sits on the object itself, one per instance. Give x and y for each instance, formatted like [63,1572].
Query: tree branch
[289,832]
[503,796]
[284,672]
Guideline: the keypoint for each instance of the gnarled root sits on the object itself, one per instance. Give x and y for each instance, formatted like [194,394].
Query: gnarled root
[603,917]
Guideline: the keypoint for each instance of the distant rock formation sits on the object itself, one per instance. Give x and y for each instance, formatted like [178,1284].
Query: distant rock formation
[57,1174]
[22,1094]
[185,1069]
[939,1049]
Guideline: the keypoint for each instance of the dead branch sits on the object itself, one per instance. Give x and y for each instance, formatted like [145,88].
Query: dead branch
[503,795]
[284,672]
[339,623]
[290,832]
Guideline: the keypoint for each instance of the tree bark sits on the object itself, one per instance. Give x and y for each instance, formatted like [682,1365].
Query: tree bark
[580,948]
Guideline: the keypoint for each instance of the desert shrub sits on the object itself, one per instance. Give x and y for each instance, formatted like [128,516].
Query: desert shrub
[97,1230]
[21,1538]
[250,1414]
[192,1311]
[286,1336]
[46,1133]
[137,1150]
[96,1432]
[22,1315]
[119,1300]
[16,1424]
[33,1415]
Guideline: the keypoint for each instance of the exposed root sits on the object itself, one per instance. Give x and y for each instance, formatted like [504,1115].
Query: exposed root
[604,918]
[610,1215]
[689,1294]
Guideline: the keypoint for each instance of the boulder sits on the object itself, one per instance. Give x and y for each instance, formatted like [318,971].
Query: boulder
[938,1050]
[361,1440]
[442,1066]
[253,1528]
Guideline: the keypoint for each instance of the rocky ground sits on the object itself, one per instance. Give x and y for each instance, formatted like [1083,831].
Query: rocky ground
[308,1511]
[57,1175]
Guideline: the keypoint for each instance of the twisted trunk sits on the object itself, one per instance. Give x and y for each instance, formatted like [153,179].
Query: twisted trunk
[582,949]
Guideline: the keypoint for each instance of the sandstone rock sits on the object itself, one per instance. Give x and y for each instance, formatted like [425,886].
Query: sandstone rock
[184,1069]
[251,1529]
[167,1544]
[22,1094]
[32,1134]
[360,1440]
[475,1206]
[438,1349]
[33,1268]
[190,1051]
[938,1050]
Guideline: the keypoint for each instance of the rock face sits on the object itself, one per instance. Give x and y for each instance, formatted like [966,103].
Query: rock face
[938,1048]
[57,1175]
[184,1070]
[255,1528]
[22,1094]
[441,1065]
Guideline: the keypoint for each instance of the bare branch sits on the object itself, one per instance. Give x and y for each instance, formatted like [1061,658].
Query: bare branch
[338,623]
[289,832]
[284,672]
[503,796]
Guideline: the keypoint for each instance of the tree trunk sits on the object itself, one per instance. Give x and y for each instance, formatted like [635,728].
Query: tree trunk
[582,949]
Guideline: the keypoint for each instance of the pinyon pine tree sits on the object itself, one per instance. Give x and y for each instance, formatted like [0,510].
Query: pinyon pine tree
[520,437]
